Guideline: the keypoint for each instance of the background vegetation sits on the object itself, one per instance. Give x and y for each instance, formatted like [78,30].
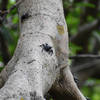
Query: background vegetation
[83,19]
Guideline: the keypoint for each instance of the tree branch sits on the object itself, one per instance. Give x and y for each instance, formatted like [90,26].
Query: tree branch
[85,56]
[83,30]
[3,13]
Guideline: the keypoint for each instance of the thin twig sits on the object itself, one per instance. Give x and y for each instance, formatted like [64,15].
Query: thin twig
[85,56]
[5,12]
[85,66]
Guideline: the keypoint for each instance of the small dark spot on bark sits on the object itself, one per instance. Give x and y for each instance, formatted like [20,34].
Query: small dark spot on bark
[15,71]
[56,67]
[17,60]
[31,61]
[21,70]
[36,14]
[31,50]
[33,94]
[41,27]
[13,95]
[23,35]
[5,98]
[25,16]
[21,93]
[30,33]
[58,9]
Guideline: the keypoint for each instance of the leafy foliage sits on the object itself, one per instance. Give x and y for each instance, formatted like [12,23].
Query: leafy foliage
[92,89]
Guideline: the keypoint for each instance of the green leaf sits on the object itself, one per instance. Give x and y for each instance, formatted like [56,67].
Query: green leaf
[85,4]
[6,34]
[74,48]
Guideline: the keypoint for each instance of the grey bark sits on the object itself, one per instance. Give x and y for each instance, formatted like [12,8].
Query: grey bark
[33,70]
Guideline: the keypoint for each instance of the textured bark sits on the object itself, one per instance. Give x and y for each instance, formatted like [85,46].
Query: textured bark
[66,88]
[33,69]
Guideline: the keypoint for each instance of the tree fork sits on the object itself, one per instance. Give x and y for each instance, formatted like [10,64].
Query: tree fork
[41,55]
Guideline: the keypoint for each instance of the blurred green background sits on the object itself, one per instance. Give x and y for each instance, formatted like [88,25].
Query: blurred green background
[83,20]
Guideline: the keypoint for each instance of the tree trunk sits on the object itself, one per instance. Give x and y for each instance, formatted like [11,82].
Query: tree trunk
[41,56]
